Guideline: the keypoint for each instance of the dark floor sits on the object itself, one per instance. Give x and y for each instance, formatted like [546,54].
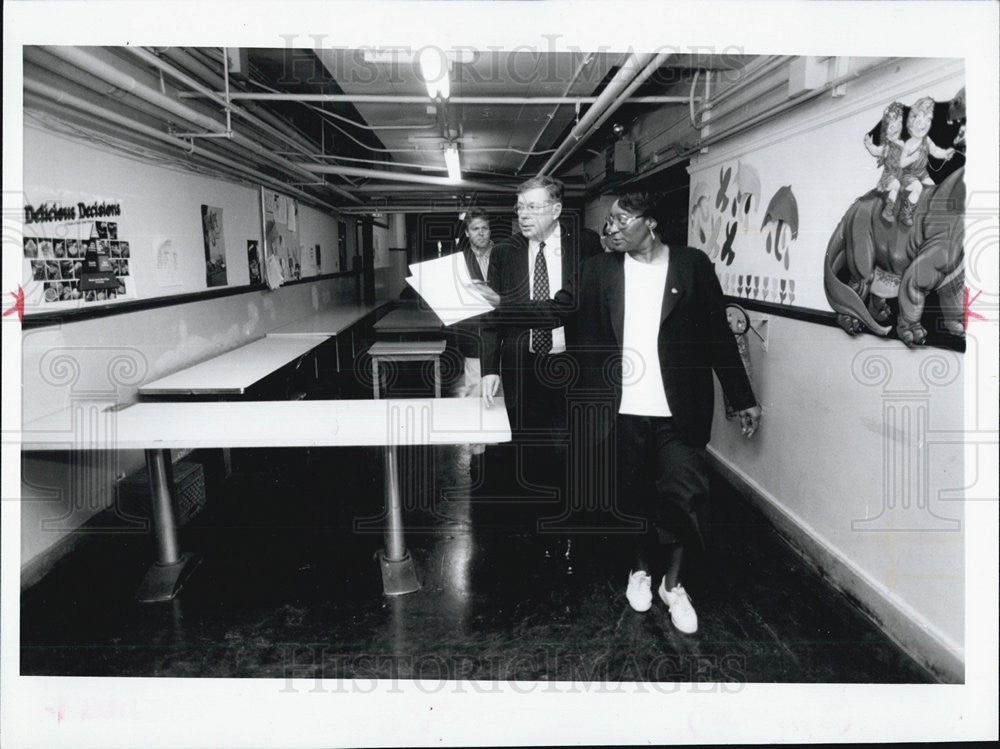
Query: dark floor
[288,586]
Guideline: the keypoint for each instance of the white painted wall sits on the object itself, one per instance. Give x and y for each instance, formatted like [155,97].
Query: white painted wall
[113,355]
[860,451]
[839,445]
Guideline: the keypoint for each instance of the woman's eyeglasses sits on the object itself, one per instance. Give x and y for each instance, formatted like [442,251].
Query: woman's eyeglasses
[618,223]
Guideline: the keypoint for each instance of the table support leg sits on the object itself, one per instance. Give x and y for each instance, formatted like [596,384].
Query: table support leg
[375,377]
[398,573]
[171,568]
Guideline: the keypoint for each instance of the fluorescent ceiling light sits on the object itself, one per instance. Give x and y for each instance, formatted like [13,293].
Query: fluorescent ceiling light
[451,161]
[434,69]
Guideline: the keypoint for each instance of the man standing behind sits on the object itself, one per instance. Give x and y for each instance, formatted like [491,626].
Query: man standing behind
[532,363]
[468,335]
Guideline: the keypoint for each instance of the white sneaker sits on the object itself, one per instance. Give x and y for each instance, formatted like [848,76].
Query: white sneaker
[640,590]
[682,613]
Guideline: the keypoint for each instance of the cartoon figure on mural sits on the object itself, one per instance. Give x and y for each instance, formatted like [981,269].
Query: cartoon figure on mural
[781,219]
[913,161]
[873,263]
[888,155]
[733,201]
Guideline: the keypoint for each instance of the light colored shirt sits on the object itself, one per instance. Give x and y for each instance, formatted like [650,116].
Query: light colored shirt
[642,378]
[483,258]
[553,264]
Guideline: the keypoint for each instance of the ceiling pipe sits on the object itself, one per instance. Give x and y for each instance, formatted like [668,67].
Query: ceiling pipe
[423,100]
[52,71]
[125,108]
[81,59]
[276,133]
[633,66]
[151,59]
[65,99]
[422,179]
[185,61]
[555,109]
[652,67]
[796,102]
[748,79]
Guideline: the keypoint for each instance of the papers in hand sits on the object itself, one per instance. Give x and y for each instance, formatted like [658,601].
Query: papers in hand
[446,286]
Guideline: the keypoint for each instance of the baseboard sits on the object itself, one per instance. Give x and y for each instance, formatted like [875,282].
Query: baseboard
[907,628]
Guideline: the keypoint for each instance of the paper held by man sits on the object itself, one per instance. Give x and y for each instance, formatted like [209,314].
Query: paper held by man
[446,286]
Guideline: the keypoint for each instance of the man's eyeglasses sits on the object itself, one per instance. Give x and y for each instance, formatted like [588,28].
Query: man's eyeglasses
[532,207]
[619,223]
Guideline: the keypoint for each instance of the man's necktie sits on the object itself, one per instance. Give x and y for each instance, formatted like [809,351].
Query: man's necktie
[541,340]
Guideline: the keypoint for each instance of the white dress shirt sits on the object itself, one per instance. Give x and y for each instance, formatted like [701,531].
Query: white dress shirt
[553,264]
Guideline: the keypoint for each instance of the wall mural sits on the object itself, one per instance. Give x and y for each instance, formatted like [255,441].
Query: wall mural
[897,254]
[721,226]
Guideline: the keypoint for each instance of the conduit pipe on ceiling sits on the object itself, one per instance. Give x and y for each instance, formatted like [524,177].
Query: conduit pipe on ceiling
[110,74]
[765,68]
[41,66]
[659,61]
[151,59]
[51,70]
[64,98]
[552,115]
[423,100]
[796,102]
[610,96]
[353,171]
[186,62]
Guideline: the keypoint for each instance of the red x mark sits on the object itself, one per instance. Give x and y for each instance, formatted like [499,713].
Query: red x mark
[967,311]
[18,304]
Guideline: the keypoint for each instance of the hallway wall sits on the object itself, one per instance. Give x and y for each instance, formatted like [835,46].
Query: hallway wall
[859,461]
[107,358]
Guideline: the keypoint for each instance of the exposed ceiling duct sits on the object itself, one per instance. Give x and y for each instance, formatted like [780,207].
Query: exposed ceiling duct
[510,114]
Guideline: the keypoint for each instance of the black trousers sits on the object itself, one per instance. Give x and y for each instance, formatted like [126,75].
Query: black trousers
[539,429]
[662,480]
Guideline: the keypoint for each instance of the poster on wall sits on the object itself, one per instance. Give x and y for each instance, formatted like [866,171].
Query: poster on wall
[215,246]
[73,252]
[253,261]
[281,239]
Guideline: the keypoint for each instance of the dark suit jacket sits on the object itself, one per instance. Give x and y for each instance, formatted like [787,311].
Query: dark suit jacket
[468,333]
[505,337]
[694,340]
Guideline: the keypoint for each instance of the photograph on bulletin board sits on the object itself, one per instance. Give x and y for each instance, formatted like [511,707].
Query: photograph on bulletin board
[281,237]
[215,246]
[73,253]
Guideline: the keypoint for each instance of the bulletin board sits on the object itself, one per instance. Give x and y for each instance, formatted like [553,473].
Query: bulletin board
[281,235]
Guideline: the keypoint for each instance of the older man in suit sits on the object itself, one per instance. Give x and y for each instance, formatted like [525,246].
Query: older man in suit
[532,363]
[652,332]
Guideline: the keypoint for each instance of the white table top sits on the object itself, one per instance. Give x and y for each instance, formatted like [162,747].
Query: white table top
[407,348]
[332,423]
[329,322]
[234,371]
